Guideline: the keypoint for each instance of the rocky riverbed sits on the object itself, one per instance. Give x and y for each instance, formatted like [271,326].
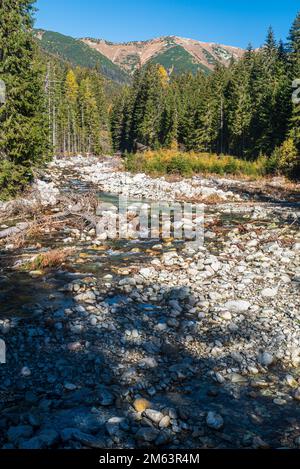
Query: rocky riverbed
[153,342]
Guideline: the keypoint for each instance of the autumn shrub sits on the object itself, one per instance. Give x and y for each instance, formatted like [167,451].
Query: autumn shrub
[287,159]
[50,259]
[185,164]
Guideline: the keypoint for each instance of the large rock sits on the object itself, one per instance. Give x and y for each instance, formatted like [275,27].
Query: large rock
[47,193]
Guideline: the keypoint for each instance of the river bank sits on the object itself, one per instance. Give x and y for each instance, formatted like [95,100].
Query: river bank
[136,343]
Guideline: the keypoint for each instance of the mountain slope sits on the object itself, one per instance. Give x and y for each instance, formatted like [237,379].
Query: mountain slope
[79,54]
[167,51]
[177,60]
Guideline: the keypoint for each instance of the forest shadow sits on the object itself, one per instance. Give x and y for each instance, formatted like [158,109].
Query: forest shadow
[110,368]
[281,197]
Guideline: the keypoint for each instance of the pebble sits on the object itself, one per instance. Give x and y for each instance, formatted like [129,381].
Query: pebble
[147,434]
[266,359]
[25,372]
[165,422]
[154,415]
[269,293]
[238,306]
[141,405]
[214,420]
[226,315]
[70,386]
[259,443]
[297,394]
[18,432]
[290,380]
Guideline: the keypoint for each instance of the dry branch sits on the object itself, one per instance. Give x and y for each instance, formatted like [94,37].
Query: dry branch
[83,207]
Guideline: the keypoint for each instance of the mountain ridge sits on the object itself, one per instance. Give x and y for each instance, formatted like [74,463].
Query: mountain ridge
[77,53]
[119,60]
[134,54]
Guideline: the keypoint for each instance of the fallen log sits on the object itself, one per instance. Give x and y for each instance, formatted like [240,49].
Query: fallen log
[14,230]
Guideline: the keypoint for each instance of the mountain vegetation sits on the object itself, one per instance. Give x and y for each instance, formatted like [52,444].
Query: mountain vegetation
[67,105]
[79,54]
[177,60]
[244,110]
[77,109]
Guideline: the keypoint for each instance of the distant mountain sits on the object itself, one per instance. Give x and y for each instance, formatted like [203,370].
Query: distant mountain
[117,62]
[79,54]
[176,54]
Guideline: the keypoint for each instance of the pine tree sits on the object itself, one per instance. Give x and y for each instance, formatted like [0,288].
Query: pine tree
[169,120]
[118,122]
[23,126]
[239,107]
[89,119]
[271,102]
[72,88]
[294,39]
[294,51]
[270,43]
[149,106]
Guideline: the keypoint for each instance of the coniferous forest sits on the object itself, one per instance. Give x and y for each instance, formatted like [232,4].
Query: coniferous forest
[245,110]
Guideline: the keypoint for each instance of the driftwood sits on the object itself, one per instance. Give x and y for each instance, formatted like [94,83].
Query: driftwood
[36,219]
[72,208]
[14,230]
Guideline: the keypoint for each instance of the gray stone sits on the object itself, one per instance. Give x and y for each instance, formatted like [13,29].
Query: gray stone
[49,437]
[226,315]
[21,431]
[214,420]
[269,293]
[237,306]
[113,426]
[297,394]
[266,358]
[106,398]
[147,434]
[165,422]
[154,415]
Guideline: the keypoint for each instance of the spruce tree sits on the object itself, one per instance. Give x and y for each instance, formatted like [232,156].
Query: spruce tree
[239,107]
[169,120]
[23,124]
[148,106]
[294,53]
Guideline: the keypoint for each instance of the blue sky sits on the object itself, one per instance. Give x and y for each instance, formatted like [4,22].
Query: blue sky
[229,22]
